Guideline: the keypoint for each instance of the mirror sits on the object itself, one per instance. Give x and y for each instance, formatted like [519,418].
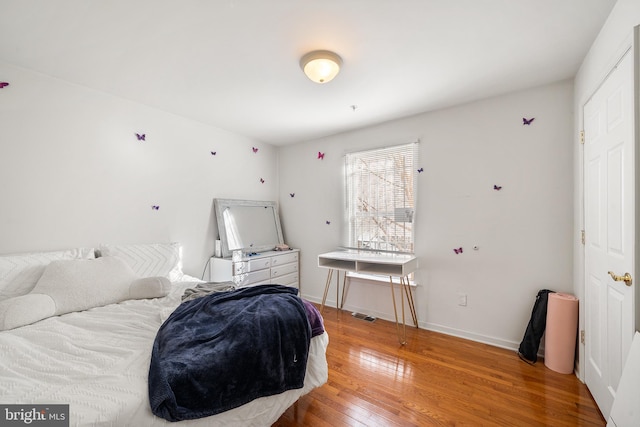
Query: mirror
[247,225]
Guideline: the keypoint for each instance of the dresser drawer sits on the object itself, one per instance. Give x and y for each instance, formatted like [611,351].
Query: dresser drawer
[251,265]
[278,267]
[284,258]
[288,280]
[283,270]
[244,279]
[262,282]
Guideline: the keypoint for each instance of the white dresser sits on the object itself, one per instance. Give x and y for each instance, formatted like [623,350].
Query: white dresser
[270,267]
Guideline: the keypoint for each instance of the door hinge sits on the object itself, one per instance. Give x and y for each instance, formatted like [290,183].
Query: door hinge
[582,237]
[581,137]
[582,336]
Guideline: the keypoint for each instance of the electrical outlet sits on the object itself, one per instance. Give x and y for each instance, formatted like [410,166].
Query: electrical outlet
[462,300]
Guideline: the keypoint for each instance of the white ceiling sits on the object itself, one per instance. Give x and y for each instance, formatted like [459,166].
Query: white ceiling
[234,64]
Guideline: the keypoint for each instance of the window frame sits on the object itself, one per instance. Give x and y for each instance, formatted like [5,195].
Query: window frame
[407,176]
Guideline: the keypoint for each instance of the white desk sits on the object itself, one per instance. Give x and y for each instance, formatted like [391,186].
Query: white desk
[387,264]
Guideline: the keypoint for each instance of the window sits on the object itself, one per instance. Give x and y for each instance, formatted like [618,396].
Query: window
[380,189]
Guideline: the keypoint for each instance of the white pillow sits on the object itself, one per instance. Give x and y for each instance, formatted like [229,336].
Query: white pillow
[149,260]
[77,285]
[20,272]
[25,310]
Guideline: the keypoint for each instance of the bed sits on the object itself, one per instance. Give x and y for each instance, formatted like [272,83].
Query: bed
[97,360]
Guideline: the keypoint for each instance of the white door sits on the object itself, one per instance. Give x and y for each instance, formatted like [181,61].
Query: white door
[609,231]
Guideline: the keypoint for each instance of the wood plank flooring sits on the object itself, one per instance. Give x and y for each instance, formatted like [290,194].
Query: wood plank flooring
[434,380]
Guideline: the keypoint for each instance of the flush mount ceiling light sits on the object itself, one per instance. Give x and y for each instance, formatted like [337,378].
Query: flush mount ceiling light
[321,66]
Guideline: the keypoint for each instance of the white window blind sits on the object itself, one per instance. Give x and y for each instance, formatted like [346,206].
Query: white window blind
[380,189]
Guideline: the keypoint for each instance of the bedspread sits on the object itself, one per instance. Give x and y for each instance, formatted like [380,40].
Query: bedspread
[223,350]
[98,362]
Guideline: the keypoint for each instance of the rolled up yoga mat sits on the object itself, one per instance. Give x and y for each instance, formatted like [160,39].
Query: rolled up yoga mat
[561,333]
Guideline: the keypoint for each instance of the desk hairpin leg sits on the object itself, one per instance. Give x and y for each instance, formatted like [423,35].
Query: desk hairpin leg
[344,288]
[402,338]
[326,289]
[404,289]
[338,305]
[339,301]
[412,306]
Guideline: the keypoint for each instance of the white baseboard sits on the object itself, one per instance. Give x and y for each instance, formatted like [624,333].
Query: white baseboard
[484,339]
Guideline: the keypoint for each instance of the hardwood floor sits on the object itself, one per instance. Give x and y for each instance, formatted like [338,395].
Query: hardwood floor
[434,380]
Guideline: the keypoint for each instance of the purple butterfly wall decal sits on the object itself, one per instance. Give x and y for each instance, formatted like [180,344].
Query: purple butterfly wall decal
[155,207]
[255,150]
[457,250]
[320,155]
[213,153]
[420,170]
[261,181]
[3,85]
[328,222]
[527,122]
[497,187]
[292,194]
[141,136]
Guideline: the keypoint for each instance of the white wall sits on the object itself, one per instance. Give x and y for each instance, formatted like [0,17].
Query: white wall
[614,39]
[523,231]
[74,174]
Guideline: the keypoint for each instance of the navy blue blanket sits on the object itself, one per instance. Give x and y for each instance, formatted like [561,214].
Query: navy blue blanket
[223,350]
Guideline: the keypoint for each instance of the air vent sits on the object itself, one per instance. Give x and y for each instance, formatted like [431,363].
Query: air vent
[364,317]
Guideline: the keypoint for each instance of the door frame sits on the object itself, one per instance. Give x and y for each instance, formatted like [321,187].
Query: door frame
[636,136]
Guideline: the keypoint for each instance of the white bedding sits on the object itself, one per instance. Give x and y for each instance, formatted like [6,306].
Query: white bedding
[98,361]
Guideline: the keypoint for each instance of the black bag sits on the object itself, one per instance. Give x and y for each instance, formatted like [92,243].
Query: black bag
[528,350]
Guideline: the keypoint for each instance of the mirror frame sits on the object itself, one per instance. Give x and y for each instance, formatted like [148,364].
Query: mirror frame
[221,204]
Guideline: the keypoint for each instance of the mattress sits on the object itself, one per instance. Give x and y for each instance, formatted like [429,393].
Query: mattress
[97,361]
